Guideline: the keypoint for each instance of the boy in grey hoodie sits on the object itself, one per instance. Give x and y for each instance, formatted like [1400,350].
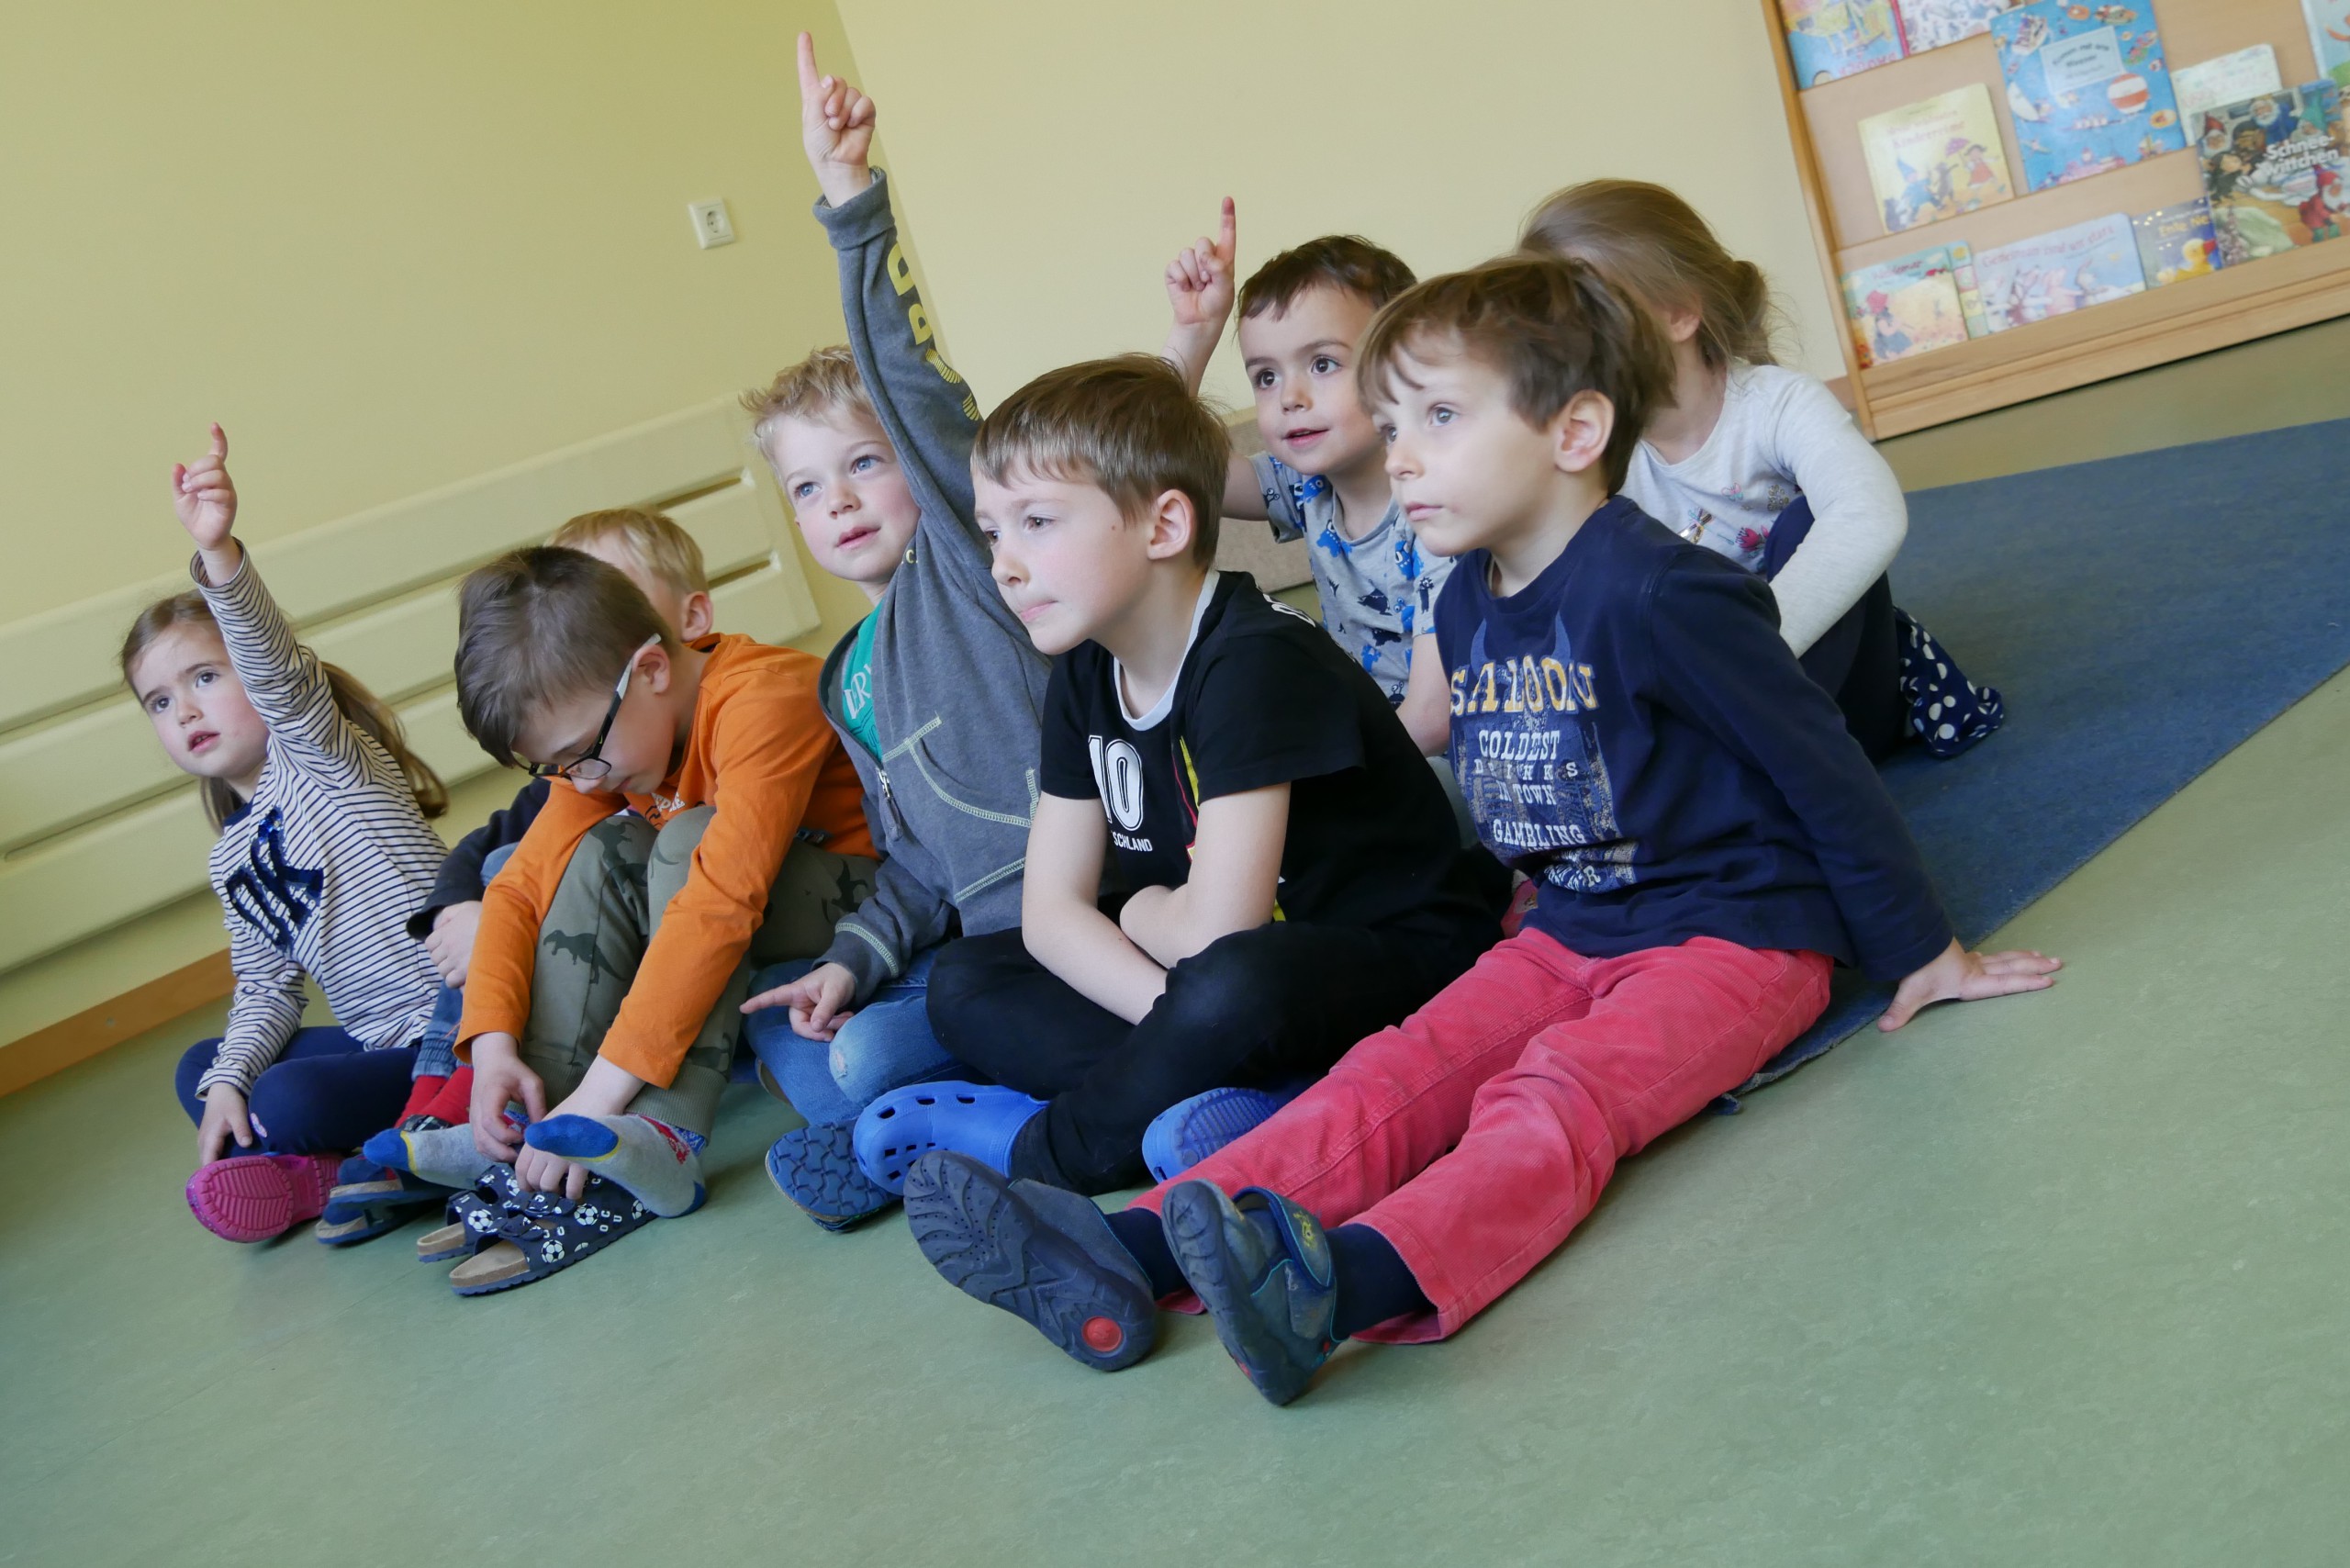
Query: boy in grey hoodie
[937,692]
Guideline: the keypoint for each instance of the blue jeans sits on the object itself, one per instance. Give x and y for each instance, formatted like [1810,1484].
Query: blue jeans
[323,1095]
[885,1045]
[436,1055]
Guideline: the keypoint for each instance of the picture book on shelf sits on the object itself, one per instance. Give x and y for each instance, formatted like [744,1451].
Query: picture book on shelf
[2330,37]
[2087,86]
[1970,294]
[1929,23]
[1936,158]
[2055,274]
[2273,170]
[2228,79]
[2176,241]
[1831,39]
[1905,307]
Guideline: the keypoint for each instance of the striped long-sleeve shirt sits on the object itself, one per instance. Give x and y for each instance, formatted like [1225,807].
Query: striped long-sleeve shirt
[318,871]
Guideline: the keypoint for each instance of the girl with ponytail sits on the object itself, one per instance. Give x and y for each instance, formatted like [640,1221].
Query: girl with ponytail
[1761,464]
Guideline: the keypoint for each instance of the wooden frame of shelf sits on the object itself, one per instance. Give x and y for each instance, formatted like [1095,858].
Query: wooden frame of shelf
[2191,316]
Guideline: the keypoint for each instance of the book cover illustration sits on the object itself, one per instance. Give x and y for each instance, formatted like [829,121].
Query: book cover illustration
[2087,86]
[2228,79]
[2330,37]
[2176,241]
[1936,158]
[2055,274]
[1931,23]
[1831,39]
[2274,169]
[1905,307]
[1970,292]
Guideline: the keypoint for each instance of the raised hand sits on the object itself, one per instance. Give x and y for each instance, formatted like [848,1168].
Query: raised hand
[1199,280]
[1959,975]
[836,128]
[205,497]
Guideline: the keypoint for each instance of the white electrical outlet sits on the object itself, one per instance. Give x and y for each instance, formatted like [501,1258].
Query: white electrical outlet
[712,226]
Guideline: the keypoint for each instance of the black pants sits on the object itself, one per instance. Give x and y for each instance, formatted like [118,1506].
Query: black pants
[1858,660]
[1261,1007]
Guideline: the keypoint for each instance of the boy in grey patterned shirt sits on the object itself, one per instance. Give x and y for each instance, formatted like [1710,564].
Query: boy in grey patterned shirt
[1322,474]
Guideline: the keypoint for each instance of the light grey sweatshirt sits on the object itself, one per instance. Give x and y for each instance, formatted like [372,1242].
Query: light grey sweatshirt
[957,686]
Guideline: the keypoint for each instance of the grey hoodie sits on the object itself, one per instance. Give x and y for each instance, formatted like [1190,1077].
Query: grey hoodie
[957,686]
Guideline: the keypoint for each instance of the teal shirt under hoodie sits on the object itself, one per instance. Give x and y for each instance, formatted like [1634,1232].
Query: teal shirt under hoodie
[958,689]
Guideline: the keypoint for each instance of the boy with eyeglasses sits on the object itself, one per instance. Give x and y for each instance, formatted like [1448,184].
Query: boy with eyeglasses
[614,951]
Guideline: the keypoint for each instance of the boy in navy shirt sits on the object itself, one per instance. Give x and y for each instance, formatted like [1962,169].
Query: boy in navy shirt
[1632,733]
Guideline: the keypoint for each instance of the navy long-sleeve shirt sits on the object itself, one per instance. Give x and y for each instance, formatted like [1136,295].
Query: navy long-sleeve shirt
[1633,733]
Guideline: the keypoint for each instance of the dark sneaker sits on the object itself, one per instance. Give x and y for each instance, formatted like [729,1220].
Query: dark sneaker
[1044,1255]
[816,1168]
[1261,1267]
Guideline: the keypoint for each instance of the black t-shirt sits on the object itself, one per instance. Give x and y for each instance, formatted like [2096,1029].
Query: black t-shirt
[1265,698]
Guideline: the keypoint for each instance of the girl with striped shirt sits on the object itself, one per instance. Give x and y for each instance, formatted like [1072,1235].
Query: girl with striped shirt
[323,853]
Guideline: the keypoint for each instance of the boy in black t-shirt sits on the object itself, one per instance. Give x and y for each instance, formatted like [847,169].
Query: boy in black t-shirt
[1297,880]
[1705,836]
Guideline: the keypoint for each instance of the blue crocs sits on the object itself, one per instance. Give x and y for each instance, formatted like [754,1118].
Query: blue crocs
[977,1119]
[1190,1130]
[1261,1267]
[816,1168]
[1042,1254]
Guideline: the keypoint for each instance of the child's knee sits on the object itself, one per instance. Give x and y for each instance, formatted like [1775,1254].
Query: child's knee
[195,1062]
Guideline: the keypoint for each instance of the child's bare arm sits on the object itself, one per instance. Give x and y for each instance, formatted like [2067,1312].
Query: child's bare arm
[1198,290]
[1427,710]
[1235,872]
[1063,926]
[1199,293]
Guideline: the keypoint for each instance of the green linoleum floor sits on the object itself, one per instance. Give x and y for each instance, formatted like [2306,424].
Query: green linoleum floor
[2059,1279]
[2055,1280]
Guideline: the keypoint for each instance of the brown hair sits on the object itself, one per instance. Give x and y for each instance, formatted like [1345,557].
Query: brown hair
[351,699]
[540,625]
[1126,426]
[1652,242]
[822,385]
[1554,327]
[660,546]
[1343,262]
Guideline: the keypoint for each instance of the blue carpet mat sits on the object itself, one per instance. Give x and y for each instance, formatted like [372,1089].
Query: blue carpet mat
[2143,616]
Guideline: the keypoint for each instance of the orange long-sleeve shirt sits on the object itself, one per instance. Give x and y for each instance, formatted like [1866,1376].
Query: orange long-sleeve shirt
[760,753]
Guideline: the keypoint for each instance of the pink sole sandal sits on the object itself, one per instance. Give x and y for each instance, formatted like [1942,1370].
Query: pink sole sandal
[251,1197]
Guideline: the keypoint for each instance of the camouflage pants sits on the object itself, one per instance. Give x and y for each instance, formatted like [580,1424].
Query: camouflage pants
[606,911]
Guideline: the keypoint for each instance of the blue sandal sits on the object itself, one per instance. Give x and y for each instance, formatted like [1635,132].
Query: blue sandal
[370,1200]
[816,1168]
[540,1234]
[975,1119]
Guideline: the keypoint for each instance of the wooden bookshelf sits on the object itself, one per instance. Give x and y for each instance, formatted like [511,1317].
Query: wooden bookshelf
[2191,316]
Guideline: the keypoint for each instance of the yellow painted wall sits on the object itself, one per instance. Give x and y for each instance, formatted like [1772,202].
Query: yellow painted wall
[1057,152]
[390,247]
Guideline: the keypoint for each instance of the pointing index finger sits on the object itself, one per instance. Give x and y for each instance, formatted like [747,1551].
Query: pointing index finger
[808,85]
[220,442]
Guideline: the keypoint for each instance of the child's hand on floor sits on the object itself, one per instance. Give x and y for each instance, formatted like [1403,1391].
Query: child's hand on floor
[835,128]
[1199,280]
[450,943]
[1959,975]
[499,1080]
[819,1000]
[225,1120]
[205,498]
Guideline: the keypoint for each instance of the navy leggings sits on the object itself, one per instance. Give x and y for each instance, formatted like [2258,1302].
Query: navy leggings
[1858,660]
[324,1095]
